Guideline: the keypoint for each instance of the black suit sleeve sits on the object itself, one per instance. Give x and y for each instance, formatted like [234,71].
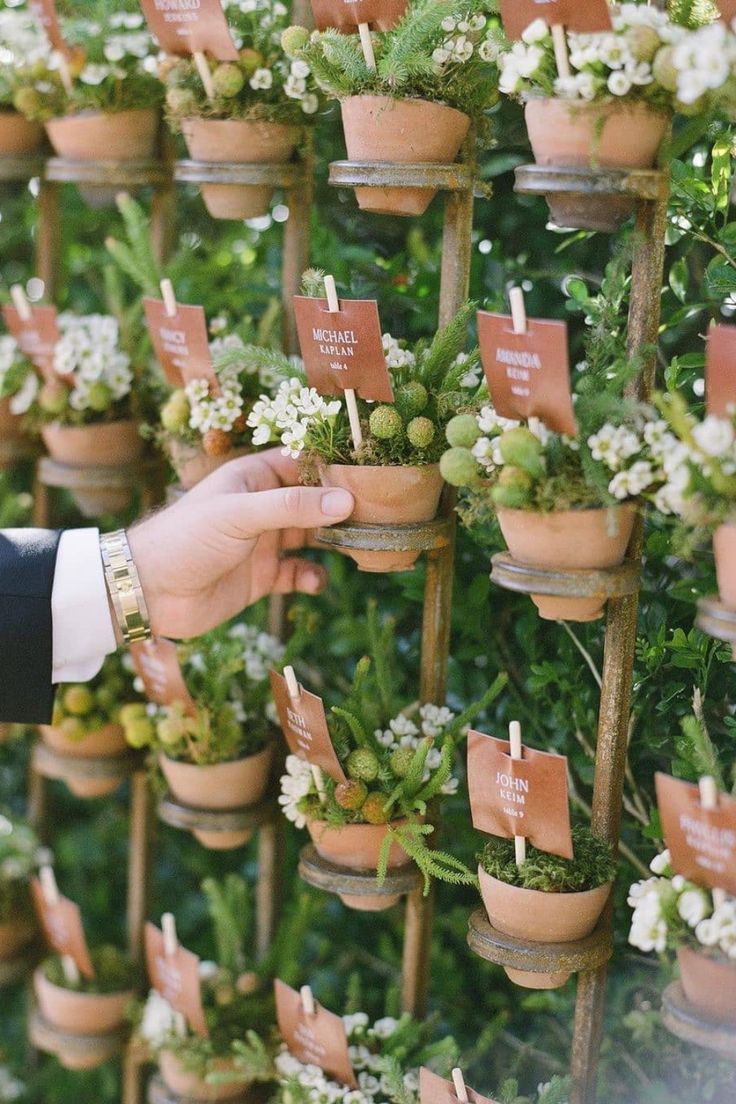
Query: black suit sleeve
[27,565]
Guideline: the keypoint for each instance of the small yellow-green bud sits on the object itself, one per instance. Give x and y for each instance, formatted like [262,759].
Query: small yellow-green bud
[462,431]
[459,468]
[521,449]
[175,412]
[385,423]
[293,40]
[420,432]
[228,79]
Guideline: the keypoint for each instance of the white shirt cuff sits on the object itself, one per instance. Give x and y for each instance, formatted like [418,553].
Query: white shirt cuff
[82,626]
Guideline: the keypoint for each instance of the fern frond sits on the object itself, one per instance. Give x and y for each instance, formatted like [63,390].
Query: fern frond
[354,724]
[468,715]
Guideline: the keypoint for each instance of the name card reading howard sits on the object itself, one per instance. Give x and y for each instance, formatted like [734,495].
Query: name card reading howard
[701,842]
[190,27]
[528,374]
[36,337]
[318,1039]
[345,15]
[176,978]
[61,923]
[436,1090]
[519,797]
[581,16]
[181,343]
[343,350]
[304,725]
[720,370]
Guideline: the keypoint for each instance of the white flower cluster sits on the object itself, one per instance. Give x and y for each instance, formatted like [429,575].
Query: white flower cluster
[18,380]
[653,899]
[486,449]
[128,48]
[292,74]
[396,355]
[296,784]
[288,416]
[22,41]
[461,42]
[403,732]
[222,411]
[11,1088]
[711,451]
[88,350]
[636,460]
[261,651]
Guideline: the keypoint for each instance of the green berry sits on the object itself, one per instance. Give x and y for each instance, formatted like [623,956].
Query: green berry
[374,809]
[513,489]
[663,69]
[420,432]
[401,761]
[53,397]
[169,730]
[462,431]
[411,399]
[181,102]
[521,449]
[139,733]
[643,41]
[27,101]
[78,700]
[363,764]
[99,396]
[385,423]
[293,40]
[351,794]
[250,60]
[459,468]
[132,711]
[228,80]
[175,412]
[105,698]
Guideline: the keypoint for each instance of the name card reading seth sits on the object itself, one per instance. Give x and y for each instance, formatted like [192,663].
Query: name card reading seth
[436,1090]
[345,15]
[36,337]
[580,16]
[528,374]
[157,663]
[176,977]
[181,343]
[519,797]
[190,27]
[61,923]
[343,350]
[304,725]
[701,842]
[317,1039]
[720,370]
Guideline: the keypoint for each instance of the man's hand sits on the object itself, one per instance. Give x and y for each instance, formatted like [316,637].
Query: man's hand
[222,546]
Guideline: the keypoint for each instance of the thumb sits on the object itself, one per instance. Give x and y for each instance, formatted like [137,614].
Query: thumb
[247,515]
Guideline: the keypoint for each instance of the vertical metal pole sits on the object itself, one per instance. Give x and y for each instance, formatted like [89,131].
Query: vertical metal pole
[619,649]
[416,955]
[139,861]
[48,237]
[295,258]
[269,887]
[134,1058]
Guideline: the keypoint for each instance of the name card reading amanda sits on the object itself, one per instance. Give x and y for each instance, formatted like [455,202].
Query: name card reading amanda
[36,337]
[720,369]
[61,923]
[343,350]
[157,663]
[190,27]
[318,1039]
[701,842]
[436,1090]
[176,978]
[528,374]
[181,343]
[581,16]
[519,797]
[345,15]
[304,725]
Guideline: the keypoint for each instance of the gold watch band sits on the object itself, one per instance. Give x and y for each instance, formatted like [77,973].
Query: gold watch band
[124,587]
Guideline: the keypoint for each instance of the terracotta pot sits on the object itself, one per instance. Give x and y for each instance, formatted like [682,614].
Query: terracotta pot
[110,444]
[568,540]
[607,136]
[358,847]
[709,983]
[191,1087]
[387,496]
[537,917]
[222,787]
[401,132]
[192,464]
[15,934]
[105,743]
[19,136]
[243,143]
[80,1014]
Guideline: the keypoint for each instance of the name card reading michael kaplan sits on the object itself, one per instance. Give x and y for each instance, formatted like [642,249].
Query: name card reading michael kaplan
[304,725]
[701,842]
[343,350]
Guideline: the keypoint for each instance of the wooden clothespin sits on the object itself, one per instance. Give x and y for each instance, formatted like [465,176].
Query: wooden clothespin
[517,753]
[366,43]
[459,1082]
[562,57]
[21,304]
[205,74]
[307,1000]
[167,294]
[333,306]
[518,310]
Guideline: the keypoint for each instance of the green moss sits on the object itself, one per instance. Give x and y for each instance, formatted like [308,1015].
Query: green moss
[113,972]
[593,865]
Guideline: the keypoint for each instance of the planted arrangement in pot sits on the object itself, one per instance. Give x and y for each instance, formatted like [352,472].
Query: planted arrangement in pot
[87,722]
[261,103]
[399,762]
[19,858]
[24,50]
[18,386]
[615,108]
[434,78]
[394,475]
[546,899]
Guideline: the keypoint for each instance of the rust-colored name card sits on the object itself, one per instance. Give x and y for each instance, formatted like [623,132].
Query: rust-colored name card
[190,27]
[528,374]
[519,797]
[176,977]
[720,370]
[157,662]
[304,725]
[345,15]
[581,16]
[343,350]
[36,336]
[61,923]
[181,343]
[317,1038]
[701,842]
[436,1090]
[727,8]
[46,14]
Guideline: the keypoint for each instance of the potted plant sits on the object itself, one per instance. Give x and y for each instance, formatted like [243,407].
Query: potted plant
[434,79]
[23,48]
[89,1006]
[18,387]
[546,899]
[398,760]
[87,722]
[238,1010]
[217,754]
[615,109]
[18,861]
[671,914]
[262,102]
[394,476]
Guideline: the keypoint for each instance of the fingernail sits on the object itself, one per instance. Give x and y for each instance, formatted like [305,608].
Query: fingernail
[315,581]
[337,503]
